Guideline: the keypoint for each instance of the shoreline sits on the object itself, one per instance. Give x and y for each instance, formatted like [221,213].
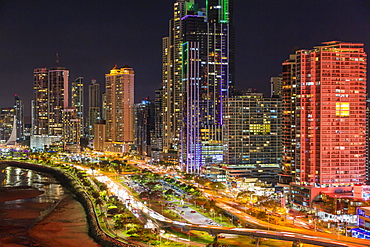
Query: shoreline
[27,220]
[69,183]
[64,226]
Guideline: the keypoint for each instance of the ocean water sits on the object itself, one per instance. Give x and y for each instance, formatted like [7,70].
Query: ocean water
[17,216]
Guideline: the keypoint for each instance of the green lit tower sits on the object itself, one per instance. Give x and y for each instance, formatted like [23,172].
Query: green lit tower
[198,72]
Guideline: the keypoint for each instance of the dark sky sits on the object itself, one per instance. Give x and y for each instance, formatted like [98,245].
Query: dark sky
[92,36]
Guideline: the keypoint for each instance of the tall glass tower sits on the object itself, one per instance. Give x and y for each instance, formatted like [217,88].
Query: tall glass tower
[198,67]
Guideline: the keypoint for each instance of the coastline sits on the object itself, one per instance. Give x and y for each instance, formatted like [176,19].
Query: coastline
[80,195]
[33,217]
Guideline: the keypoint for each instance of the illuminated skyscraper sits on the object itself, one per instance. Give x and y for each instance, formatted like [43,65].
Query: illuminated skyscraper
[77,101]
[144,127]
[40,103]
[19,116]
[328,90]
[252,137]
[50,98]
[198,65]
[120,105]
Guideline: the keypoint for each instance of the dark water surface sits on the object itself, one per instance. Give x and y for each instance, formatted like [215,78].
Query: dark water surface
[17,216]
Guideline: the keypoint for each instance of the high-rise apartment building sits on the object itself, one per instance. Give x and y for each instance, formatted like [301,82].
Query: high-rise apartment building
[50,98]
[94,114]
[120,105]
[198,65]
[77,101]
[40,107]
[58,99]
[252,137]
[326,90]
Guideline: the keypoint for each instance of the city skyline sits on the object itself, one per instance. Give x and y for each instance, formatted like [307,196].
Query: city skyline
[87,39]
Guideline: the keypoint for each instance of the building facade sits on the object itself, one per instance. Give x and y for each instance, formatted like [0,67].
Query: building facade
[120,105]
[327,106]
[58,99]
[77,101]
[144,127]
[50,98]
[252,137]
[40,102]
[198,56]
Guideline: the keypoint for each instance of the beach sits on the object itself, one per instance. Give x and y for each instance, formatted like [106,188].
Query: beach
[64,226]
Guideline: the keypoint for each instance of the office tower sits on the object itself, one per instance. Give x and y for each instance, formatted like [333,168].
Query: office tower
[40,117]
[252,137]
[144,127]
[71,132]
[94,106]
[120,105]
[19,116]
[57,99]
[6,122]
[197,57]
[172,71]
[330,123]
[77,101]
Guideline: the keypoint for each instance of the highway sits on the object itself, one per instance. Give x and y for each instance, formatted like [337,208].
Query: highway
[125,195]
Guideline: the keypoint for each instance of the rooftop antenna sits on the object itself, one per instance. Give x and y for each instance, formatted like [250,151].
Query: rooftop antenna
[57,59]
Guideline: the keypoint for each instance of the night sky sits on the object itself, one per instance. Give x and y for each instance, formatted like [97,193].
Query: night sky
[92,36]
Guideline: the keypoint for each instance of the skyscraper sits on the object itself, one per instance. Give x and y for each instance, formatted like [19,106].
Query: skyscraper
[94,106]
[327,89]
[252,137]
[197,78]
[120,105]
[50,98]
[58,99]
[77,101]
[40,107]
[19,116]
[144,127]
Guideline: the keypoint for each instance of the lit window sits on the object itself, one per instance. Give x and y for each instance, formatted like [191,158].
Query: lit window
[342,109]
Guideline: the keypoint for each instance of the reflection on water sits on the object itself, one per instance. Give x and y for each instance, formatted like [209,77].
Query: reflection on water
[14,177]
[16,216]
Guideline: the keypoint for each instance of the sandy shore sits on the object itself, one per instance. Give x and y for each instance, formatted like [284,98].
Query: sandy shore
[65,226]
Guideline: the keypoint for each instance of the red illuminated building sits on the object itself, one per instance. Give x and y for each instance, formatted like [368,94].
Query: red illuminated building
[324,97]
